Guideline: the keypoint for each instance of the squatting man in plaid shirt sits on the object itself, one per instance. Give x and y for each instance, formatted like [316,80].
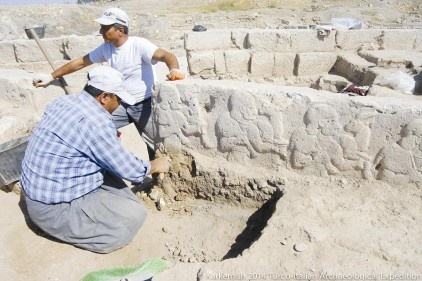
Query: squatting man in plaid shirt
[74,164]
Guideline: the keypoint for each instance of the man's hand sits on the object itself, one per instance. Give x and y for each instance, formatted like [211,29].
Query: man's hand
[160,165]
[175,74]
[42,80]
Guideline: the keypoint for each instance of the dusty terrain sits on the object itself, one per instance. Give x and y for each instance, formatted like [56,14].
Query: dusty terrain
[347,226]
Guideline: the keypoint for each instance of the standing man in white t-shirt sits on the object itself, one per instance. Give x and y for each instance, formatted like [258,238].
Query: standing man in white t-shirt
[134,57]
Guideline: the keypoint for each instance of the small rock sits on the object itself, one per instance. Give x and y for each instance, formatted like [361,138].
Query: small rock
[180,197]
[165,229]
[300,247]
[262,184]
[161,204]
[154,195]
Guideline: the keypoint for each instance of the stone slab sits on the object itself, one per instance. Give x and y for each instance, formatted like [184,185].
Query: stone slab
[315,63]
[209,40]
[309,131]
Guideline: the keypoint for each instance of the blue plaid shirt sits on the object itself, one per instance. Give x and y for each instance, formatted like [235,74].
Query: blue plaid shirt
[73,144]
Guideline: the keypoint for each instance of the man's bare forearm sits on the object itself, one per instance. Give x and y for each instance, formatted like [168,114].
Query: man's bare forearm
[71,67]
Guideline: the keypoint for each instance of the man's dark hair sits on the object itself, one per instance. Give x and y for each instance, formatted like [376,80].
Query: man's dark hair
[125,28]
[93,91]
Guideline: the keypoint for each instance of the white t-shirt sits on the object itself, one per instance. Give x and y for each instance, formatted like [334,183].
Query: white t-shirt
[134,60]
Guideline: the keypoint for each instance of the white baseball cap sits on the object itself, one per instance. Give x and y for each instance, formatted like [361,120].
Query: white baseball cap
[110,80]
[112,16]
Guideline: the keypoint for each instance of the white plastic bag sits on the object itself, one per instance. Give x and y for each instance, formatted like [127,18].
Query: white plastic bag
[400,81]
[346,23]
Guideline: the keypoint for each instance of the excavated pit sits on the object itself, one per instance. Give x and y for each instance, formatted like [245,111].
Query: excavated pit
[254,227]
[188,192]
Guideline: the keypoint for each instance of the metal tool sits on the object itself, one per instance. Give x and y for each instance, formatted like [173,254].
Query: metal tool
[11,156]
[32,34]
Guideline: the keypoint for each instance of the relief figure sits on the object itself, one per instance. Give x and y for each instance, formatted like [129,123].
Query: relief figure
[243,132]
[173,126]
[316,146]
[398,162]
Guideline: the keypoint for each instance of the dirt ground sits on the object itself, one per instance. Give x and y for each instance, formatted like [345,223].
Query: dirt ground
[347,225]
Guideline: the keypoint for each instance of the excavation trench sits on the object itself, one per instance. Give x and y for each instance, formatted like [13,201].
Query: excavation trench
[232,212]
[255,225]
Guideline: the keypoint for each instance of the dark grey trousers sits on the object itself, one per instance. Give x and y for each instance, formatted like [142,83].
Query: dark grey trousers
[101,221]
[140,115]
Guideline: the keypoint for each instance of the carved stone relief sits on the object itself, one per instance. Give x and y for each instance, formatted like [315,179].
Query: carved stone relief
[248,128]
[355,142]
[323,147]
[176,121]
[246,131]
[400,162]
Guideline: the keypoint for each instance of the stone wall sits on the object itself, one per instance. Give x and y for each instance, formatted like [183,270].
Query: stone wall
[21,104]
[275,55]
[27,55]
[227,127]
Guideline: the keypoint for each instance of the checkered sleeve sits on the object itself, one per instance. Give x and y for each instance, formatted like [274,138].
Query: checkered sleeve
[108,152]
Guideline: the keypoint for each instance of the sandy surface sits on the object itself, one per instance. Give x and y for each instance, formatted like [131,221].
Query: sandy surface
[347,226]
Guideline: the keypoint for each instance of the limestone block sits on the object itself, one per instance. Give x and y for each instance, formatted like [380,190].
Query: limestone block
[200,61]
[239,38]
[37,67]
[370,75]
[21,104]
[269,40]
[29,51]
[352,40]
[7,52]
[332,83]
[308,40]
[399,39]
[284,64]
[262,64]
[78,46]
[60,48]
[315,63]
[418,42]
[353,67]
[237,62]
[209,40]
[271,126]
[220,63]
[393,58]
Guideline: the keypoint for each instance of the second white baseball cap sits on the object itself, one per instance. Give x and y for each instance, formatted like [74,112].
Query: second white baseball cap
[109,80]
